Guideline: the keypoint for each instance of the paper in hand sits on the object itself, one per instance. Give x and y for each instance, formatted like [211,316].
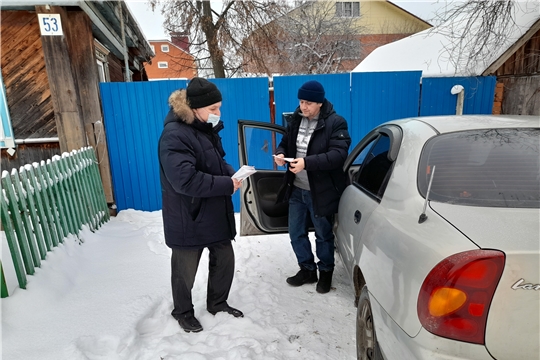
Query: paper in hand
[244,172]
[284,159]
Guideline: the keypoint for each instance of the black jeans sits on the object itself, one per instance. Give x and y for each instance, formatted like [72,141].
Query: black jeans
[184,264]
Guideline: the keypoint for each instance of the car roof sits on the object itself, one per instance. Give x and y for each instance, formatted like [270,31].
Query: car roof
[451,123]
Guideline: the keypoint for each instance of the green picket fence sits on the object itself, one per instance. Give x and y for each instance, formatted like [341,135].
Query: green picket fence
[42,204]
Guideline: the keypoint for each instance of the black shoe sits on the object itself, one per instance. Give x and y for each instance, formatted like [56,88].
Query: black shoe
[189,323]
[325,281]
[302,277]
[229,310]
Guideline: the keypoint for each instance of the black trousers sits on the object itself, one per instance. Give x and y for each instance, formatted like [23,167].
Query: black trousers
[184,264]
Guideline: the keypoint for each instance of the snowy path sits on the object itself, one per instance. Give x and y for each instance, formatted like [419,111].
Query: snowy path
[110,299]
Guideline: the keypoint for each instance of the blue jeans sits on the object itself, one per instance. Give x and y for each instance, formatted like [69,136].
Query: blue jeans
[300,207]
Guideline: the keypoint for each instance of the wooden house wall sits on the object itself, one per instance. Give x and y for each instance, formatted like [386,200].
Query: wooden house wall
[525,61]
[518,81]
[25,76]
[27,88]
[116,65]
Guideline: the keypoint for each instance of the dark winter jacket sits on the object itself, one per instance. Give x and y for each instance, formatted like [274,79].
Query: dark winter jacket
[196,183]
[326,153]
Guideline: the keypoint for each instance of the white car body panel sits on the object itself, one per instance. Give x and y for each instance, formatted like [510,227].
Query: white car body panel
[424,346]
[423,245]
[517,232]
[394,271]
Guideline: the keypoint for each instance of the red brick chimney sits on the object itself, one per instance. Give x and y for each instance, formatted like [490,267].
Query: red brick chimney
[181,40]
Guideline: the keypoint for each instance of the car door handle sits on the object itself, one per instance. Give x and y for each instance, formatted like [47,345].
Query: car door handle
[357,216]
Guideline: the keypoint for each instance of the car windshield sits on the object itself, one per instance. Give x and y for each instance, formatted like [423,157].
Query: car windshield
[495,168]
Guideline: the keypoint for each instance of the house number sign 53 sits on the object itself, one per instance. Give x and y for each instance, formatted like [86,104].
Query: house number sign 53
[50,24]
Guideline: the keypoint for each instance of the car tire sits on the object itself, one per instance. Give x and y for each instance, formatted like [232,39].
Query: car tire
[367,347]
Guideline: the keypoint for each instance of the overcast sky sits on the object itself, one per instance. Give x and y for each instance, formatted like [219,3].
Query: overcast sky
[152,22]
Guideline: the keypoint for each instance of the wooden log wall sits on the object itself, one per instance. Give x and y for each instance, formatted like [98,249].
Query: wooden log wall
[25,76]
[518,81]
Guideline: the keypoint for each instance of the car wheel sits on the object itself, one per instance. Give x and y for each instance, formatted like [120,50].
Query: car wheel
[366,340]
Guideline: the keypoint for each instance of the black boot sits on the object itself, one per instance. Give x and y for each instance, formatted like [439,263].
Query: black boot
[325,281]
[229,310]
[302,277]
[189,323]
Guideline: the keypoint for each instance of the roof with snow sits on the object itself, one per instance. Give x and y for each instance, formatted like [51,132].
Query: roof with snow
[451,49]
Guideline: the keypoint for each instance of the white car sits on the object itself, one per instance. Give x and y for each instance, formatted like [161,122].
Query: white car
[439,231]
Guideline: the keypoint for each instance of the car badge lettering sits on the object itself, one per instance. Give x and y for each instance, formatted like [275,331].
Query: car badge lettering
[519,285]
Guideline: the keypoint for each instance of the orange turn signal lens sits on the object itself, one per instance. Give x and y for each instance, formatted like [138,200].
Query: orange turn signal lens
[446,300]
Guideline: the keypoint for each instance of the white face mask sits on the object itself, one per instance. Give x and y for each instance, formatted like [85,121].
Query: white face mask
[213,119]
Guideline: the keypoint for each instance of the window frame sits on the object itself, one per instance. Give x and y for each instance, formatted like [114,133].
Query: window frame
[166,63]
[353,11]
[163,47]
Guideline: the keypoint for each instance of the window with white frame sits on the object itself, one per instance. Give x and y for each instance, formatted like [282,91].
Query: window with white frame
[348,9]
[162,64]
[102,62]
[165,48]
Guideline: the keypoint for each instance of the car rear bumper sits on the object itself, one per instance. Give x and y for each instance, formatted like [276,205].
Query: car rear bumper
[395,344]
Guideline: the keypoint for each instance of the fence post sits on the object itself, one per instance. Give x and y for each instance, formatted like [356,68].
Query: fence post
[17,223]
[12,243]
[28,207]
[46,184]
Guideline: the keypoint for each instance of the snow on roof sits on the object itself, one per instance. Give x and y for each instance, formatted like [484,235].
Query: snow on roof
[447,50]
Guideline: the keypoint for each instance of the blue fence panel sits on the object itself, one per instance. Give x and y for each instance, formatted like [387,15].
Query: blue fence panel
[133,117]
[336,87]
[243,99]
[134,114]
[382,96]
[438,100]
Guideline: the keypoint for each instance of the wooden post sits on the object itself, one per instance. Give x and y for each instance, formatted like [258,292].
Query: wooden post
[64,93]
[80,42]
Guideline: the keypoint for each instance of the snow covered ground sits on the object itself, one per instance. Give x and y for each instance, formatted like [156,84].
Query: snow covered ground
[109,299]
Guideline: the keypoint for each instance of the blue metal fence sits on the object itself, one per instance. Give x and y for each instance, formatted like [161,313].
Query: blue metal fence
[134,113]
[438,100]
[380,97]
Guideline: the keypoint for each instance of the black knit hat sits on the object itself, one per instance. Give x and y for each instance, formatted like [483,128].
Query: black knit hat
[311,91]
[201,93]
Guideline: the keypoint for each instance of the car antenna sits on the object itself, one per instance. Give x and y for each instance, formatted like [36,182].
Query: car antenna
[423,216]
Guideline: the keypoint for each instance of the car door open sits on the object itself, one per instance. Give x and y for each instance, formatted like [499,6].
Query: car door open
[259,211]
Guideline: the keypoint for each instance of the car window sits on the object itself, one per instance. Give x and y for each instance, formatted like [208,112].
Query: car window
[494,167]
[261,144]
[374,173]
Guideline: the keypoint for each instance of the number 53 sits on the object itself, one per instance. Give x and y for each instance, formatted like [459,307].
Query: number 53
[50,24]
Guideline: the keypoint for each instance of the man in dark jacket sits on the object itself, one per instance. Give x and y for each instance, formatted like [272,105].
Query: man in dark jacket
[197,190]
[318,140]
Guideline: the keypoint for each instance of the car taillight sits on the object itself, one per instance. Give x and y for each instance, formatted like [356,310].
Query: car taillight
[454,299]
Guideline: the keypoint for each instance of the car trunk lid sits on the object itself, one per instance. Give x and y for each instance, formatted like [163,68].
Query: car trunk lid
[513,324]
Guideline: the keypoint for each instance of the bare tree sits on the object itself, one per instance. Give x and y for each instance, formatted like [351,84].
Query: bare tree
[312,39]
[477,28]
[216,36]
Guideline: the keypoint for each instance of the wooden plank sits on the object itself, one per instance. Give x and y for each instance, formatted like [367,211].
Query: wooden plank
[102,154]
[84,195]
[58,198]
[14,250]
[62,84]
[81,47]
[85,163]
[48,197]
[33,230]
[34,194]
[4,292]
[44,207]
[22,239]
